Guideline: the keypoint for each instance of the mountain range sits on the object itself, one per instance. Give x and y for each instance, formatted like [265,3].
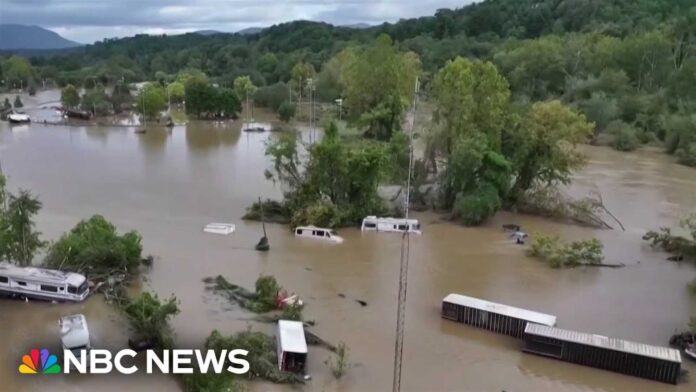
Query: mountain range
[14,36]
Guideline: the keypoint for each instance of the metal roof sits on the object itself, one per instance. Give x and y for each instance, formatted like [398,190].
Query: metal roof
[291,337]
[505,310]
[646,350]
[40,275]
[390,220]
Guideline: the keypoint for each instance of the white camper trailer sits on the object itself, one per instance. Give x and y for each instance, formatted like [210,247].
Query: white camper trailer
[397,225]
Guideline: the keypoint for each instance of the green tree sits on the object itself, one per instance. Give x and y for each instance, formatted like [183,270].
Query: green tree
[198,95]
[69,96]
[150,317]
[18,102]
[542,148]
[7,105]
[96,101]
[22,240]
[176,91]
[301,72]
[152,100]
[17,71]
[472,101]
[94,247]
[378,85]
[244,89]
[286,111]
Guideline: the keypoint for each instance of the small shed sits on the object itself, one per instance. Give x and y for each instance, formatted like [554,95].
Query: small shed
[292,346]
[503,319]
[622,356]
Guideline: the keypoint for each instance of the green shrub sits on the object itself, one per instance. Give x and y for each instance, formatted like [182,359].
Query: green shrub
[321,214]
[473,209]
[150,318]
[625,136]
[286,111]
[93,247]
[687,155]
[557,254]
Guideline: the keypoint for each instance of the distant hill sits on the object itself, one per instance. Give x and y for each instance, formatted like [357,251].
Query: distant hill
[251,30]
[207,32]
[358,26]
[13,36]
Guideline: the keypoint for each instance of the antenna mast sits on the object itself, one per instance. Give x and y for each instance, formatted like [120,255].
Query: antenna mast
[405,250]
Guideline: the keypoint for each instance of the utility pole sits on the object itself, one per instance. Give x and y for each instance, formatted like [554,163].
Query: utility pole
[340,108]
[405,252]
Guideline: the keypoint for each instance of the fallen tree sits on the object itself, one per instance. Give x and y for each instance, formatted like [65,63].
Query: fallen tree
[680,240]
[260,301]
[262,357]
[95,249]
[550,202]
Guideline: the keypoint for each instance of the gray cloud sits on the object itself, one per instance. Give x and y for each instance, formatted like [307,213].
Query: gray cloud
[90,20]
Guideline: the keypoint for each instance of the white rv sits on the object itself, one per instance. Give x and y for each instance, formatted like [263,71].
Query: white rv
[398,225]
[318,233]
[74,333]
[41,283]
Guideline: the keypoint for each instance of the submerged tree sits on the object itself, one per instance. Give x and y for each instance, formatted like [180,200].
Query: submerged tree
[152,100]
[18,102]
[21,240]
[69,96]
[149,318]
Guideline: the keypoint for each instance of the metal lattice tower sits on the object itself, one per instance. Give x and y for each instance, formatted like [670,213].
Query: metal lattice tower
[405,251]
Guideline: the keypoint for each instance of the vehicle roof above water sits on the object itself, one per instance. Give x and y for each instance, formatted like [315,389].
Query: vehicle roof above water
[291,336]
[73,330]
[41,275]
[505,310]
[313,228]
[390,220]
[588,339]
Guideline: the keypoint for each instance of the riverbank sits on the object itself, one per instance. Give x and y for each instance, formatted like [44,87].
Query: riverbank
[168,186]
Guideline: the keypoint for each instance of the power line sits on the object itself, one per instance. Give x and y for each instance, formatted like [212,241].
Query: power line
[405,253]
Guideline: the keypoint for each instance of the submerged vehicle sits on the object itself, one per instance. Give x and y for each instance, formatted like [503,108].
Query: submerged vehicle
[18,118]
[398,225]
[318,233]
[220,228]
[292,346]
[74,333]
[42,283]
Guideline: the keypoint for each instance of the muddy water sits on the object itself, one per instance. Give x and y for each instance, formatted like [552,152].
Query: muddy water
[169,185]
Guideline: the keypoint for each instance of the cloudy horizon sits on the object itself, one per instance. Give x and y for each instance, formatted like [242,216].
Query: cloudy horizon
[86,21]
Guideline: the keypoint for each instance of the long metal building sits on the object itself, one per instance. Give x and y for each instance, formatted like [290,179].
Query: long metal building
[636,359]
[492,316]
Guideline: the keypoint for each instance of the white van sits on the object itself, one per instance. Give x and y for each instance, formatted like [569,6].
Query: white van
[318,233]
[398,225]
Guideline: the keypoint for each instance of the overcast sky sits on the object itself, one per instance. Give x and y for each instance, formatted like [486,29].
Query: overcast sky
[91,20]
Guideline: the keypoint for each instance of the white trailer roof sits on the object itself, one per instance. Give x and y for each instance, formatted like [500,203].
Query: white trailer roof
[74,332]
[645,350]
[390,220]
[41,275]
[291,337]
[505,310]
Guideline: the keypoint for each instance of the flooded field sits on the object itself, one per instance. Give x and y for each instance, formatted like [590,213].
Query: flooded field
[169,185]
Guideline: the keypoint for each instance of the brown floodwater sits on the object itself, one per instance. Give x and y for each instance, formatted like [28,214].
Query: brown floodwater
[168,185]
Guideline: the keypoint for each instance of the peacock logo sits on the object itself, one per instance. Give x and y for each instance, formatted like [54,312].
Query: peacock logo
[39,362]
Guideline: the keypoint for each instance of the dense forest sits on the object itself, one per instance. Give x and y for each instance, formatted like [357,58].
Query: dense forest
[510,80]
